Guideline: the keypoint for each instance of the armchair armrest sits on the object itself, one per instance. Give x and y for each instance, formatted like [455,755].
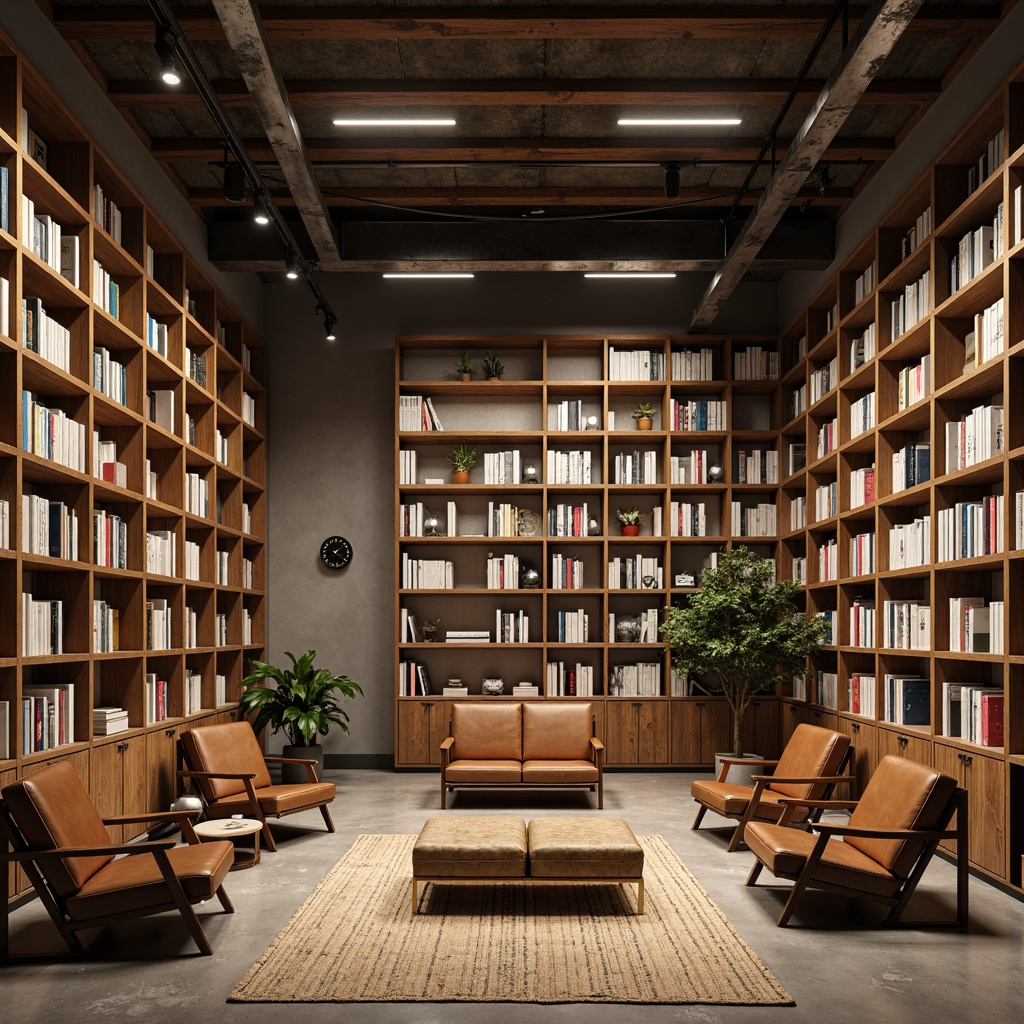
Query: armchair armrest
[597,752]
[290,760]
[447,742]
[596,743]
[215,775]
[807,781]
[728,762]
[885,833]
[63,852]
[825,805]
[129,819]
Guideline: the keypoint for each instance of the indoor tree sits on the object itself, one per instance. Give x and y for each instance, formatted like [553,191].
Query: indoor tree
[743,626]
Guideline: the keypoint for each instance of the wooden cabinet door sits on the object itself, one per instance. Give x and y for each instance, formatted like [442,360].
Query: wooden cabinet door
[105,784]
[761,727]
[653,732]
[985,782]
[864,740]
[161,768]
[11,872]
[715,730]
[904,744]
[622,744]
[699,729]
[134,789]
[790,716]
[422,725]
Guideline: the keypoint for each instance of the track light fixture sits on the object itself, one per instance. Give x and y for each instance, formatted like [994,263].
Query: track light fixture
[330,320]
[291,266]
[671,181]
[260,214]
[824,178]
[234,183]
[164,47]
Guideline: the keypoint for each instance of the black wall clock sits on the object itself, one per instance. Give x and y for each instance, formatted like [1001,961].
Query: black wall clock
[336,552]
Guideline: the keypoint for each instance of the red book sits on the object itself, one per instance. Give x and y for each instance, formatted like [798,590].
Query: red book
[869,486]
[992,719]
[855,694]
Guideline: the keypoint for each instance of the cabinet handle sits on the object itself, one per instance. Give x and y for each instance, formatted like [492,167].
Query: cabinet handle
[965,758]
[637,705]
[855,726]
[699,704]
[902,740]
[425,704]
[170,732]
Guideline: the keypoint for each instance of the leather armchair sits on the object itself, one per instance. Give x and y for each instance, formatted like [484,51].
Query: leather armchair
[882,853]
[231,773]
[815,760]
[83,879]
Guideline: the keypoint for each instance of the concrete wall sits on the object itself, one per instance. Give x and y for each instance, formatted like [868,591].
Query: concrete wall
[331,449]
[34,34]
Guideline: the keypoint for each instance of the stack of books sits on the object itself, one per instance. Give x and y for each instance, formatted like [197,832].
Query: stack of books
[107,721]
[467,636]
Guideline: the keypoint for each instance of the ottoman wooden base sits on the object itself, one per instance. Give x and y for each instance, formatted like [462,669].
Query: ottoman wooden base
[561,851]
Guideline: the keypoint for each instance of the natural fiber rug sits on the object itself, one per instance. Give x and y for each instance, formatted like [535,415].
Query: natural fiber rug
[354,940]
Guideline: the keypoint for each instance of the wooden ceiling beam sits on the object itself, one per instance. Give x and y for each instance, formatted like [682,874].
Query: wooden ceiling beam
[212,198]
[337,93]
[713,21]
[407,150]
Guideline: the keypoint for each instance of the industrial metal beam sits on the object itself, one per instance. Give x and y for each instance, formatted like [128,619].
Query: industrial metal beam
[863,57]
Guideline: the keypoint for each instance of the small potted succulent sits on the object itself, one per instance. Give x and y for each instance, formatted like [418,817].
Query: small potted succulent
[463,459]
[463,367]
[494,368]
[644,415]
[630,520]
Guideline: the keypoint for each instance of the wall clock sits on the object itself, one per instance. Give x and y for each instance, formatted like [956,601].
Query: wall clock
[336,552]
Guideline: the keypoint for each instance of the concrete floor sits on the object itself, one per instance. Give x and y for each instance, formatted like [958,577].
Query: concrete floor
[835,960]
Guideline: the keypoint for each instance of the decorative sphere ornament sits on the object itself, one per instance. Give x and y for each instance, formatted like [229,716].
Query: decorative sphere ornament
[715,474]
[529,578]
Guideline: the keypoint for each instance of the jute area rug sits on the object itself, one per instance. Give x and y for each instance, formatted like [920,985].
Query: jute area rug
[354,940]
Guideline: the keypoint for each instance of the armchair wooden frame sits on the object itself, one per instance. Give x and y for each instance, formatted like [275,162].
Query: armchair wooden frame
[55,906]
[845,776]
[897,903]
[255,810]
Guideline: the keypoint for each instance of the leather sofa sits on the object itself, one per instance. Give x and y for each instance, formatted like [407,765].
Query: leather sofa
[536,743]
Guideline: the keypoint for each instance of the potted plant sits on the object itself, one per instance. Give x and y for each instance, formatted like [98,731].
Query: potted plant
[743,626]
[494,368]
[303,704]
[644,415]
[463,367]
[463,459]
[630,520]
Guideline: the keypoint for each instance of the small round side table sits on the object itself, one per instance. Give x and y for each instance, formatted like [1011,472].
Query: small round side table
[234,828]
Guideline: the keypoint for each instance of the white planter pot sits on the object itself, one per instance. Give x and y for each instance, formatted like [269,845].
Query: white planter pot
[739,774]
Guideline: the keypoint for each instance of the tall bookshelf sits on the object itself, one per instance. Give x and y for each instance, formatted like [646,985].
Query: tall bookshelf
[564,408]
[926,375]
[132,314]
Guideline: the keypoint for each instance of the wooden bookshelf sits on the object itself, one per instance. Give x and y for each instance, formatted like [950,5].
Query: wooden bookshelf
[521,413]
[157,283]
[936,348]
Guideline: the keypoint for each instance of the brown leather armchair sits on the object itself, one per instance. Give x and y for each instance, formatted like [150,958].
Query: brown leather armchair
[813,762]
[882,853]
[231,772]
[59,839]
[535,743]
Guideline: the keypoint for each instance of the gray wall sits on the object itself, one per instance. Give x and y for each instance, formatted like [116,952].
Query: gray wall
[331,449]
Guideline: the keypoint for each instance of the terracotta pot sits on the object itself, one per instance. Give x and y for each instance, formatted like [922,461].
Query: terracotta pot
[630,530]
[465,376]
[644,423]
[460,476]
[494,378]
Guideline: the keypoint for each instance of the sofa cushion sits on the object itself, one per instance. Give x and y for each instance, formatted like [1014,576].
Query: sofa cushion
[559,772]
[487,731]
[730,799]
[554,732]
[462,847]
[275,799]
[491,770]
[584,848]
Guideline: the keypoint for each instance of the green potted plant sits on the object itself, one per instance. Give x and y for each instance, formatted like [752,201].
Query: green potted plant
[303,704]
[463,367]
[743,626]
[463,459]
[644,415]
[630,520]
[493,367]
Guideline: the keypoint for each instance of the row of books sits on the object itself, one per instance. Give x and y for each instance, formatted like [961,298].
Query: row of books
[511,627]
[47,716]
[862,622]
[5,524]
[635,364]
[192,552]
[799,572]
[572,627]
[828,561]
[564,520]
[973,713]
[861,694]
[975,438]
[862,486]
[566,572]
[467,636]
[502,572]
[634,572]
[109,377]
[907,625]
[914,383]
[635,467]
[690,469]
[156,335]
[862,414]
[757,467]
[417,413]
[42,626]
[826,501]
[972,528]
[222,564]
[693,364]
[562,680]
[109,539]
[106,213]
[105,627]
[106,292]
[755,363]
[159,625]
[643,626]
[195,366]
[47,528]
[823,380]
[912,306]
[916,233]
[828,689]
[987,340]
[427,574]
[569,467]
[687,519]
[698,414]
[42,334]
[907,700]
[862,554]
[798,513]
[911,465]
[157,709]
[975,251]
[830,636]
[197,495]
[504,467]
[569,415]
[760,520]
[640,680]
[863,349]
[976,627]
[221,449]
[989,160]
[413,679]
[910,544]
[248,409]
[160,553]
[190,625]
[52,434]
[407,473]
[864,284]
[160,409]
[828,438]
[797,401]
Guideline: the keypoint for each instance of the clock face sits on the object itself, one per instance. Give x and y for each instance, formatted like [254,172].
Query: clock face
[336,552]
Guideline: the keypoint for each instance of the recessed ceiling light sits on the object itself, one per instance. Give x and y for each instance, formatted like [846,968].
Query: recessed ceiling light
[669,121]
[429,274]
[385,122]
[632,273]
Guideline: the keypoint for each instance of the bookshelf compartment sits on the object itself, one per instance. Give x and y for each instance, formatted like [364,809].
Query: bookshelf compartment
[34,738]
[200,618]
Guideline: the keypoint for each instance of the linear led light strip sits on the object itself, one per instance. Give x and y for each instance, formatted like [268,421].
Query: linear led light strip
[435,274]
[631,274]
[377,122]
[684,121]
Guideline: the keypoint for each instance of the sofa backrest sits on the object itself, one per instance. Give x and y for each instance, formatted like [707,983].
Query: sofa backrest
[811,751]
[557,731]
[900,794]
[230,747]
[485,731]
[52,808]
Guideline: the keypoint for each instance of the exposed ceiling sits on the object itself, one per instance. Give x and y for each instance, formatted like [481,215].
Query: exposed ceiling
[536,90]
